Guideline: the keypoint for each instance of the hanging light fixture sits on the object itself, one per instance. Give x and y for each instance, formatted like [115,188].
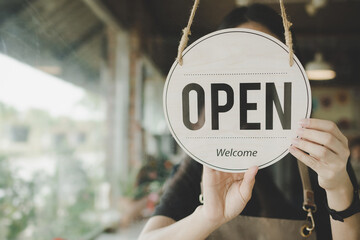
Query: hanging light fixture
[314,5]
[318,69]
[242,3]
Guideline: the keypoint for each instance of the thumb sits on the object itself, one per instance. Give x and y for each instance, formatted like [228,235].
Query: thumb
[248,184]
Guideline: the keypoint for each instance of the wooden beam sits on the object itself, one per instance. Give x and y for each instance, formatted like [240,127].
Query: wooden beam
[12,10]
[82,40]
[103,14]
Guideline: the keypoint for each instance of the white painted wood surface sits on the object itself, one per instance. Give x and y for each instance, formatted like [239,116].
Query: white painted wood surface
[235,56]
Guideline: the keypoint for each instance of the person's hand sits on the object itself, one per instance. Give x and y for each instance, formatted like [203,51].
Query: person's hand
[226,194]
[321,146]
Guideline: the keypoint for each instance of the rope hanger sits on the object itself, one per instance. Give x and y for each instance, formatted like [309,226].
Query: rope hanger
[186,32]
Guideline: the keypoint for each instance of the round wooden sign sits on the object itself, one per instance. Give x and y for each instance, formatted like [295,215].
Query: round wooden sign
[236,102]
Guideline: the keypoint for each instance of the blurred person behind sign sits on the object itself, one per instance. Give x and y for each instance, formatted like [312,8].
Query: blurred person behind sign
[355,156]
[233,197]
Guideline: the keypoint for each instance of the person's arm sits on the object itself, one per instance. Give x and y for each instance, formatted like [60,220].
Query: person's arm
[339,200]
[225,196]
[194,226]
[321,146]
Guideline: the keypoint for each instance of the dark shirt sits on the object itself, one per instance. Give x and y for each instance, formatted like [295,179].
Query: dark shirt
[181,197]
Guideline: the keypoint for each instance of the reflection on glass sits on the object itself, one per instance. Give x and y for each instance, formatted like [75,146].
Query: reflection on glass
[52,114]
[51,160]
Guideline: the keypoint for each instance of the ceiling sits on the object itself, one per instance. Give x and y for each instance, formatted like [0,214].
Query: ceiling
[67,34]
[63,34]
[337,17]
[334,30]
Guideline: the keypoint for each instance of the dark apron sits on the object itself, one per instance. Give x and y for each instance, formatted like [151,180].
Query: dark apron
[258,228]
[261,228]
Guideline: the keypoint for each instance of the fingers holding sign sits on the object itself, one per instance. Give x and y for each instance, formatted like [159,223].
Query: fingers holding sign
[321,146]
[226,194]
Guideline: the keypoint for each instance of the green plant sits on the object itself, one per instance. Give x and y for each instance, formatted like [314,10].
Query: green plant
[16,206]
[128,186]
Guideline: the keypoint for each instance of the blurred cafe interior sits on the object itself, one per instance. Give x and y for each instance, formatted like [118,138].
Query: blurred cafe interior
[85,151]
